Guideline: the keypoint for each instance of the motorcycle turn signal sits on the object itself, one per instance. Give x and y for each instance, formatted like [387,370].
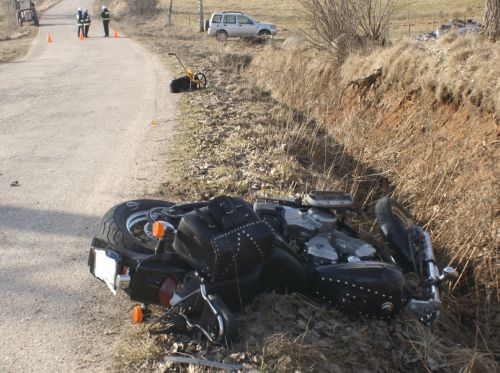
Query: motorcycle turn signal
[159,230]
[137,315]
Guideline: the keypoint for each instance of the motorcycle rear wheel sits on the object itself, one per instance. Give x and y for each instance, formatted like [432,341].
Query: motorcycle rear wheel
[123,226]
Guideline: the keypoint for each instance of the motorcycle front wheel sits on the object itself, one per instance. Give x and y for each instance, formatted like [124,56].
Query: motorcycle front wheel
[395,222]
[127,226]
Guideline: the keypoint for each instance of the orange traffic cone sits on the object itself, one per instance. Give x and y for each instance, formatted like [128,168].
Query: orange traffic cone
[81,35]
[49,38]
[116,35]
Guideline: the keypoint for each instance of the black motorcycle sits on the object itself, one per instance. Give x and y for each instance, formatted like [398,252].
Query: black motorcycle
[203,261]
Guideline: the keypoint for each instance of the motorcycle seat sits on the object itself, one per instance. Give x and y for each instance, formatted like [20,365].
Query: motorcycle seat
[224,239]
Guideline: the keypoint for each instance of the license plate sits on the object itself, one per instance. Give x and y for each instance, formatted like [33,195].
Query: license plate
[104,265]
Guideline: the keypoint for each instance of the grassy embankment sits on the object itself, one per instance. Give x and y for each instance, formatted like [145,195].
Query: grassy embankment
[427,132]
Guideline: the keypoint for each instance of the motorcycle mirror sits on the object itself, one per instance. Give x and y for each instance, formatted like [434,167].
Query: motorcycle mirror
[449,274]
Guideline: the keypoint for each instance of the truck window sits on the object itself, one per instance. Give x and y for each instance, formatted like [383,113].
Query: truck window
[228,18]
[242,20]
[216,18]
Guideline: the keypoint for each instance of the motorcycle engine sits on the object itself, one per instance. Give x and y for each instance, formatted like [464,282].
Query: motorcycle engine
[317,231]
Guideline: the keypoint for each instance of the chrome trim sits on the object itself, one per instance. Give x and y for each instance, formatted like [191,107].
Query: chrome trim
[427,310]
[215,311]
[122,281]
[139,217]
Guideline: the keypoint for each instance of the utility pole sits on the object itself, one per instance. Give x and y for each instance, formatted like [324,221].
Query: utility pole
[170,12]
[202,26]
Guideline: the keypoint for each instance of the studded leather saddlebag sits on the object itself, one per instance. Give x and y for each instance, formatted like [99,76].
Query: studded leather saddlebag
[224,239]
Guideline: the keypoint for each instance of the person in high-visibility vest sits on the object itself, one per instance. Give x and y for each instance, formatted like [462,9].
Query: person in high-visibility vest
[79,19]
[86,22]
[105,20]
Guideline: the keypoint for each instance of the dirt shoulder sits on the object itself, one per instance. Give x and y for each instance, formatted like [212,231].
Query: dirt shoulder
[238,138]
[17,45]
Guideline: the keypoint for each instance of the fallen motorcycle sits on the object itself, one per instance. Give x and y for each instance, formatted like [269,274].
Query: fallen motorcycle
[203,261]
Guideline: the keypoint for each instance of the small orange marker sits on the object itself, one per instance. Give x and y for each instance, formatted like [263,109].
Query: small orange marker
[158,230]
[81,35]
[137,315]
[49,38]
[115,35]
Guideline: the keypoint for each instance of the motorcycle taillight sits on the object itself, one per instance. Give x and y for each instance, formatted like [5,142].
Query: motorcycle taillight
[167,291]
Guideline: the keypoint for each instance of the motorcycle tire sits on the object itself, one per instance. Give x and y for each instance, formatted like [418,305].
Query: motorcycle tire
[116,233]
[394,222]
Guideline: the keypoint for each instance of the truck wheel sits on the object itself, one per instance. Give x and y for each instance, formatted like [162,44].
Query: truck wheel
[264,36]
[221,35]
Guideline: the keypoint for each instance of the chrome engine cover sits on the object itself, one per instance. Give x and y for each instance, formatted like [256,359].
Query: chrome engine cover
[351,246]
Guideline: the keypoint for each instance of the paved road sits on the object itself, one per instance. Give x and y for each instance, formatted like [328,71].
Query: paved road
[76,134]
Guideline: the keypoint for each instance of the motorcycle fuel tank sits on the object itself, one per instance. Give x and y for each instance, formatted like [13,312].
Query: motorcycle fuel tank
[366,288]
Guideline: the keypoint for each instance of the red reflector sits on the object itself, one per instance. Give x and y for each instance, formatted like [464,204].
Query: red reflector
[167,291]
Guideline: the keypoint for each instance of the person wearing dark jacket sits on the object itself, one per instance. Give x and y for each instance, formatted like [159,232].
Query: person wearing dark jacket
[86,22]
[79,19]
[105,20]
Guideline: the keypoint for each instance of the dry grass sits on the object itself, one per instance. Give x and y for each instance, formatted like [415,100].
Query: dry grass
[7,21]
[455,70]
[14,41]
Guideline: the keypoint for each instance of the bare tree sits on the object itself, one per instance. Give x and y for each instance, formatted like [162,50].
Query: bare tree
[340,26]
[491,21]
[374,17]
[328,20]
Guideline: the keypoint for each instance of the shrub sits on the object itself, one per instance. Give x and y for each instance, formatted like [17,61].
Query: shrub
[341,26]
[142,6]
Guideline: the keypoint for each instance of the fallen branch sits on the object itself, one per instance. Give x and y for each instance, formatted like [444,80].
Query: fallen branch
[364,83]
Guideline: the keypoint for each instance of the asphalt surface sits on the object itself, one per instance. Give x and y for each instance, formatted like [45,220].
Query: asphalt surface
[83,125]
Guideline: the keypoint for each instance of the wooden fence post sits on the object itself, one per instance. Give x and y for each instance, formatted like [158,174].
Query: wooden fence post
[202,25]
